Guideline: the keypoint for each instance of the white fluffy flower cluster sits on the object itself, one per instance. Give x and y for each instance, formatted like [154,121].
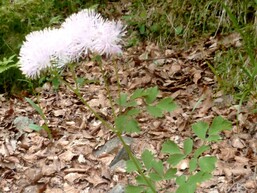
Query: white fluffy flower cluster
[80,33]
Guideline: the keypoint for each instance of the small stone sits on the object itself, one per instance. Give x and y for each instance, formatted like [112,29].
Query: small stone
[251,184]
[22,123]
[237,143]
[117,189]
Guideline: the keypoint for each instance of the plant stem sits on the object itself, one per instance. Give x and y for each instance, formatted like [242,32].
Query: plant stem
[118,81]
[107,87]
[109,126]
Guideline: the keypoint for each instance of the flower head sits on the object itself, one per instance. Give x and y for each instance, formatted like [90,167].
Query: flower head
[91,32]
[40,50]
[80,33]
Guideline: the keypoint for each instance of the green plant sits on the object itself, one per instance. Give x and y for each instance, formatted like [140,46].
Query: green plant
[180,22]
[237,67]
[17,19]
[7,63]
[200,165]
[9,74]
[125,110]
[42,115]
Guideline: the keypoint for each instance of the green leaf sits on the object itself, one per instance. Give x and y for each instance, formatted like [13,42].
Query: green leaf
[35,127]
[134,189]
[167,104]
[137,94]
[81,81]
[186,188]
[155,176]
[132,126]
[143,15]
[170,147]
[158,167]
[151,94]
[200,129]
[5,68]
[214,138]
[178,30]
[131,167]
[142,29]
[175,159]
[170,174]
[147,158]
[199,177]
[37,108]
[56,82]
[133,112]
[154,111]
[122,100]
[180,180]
[192,164]
[126,124]
[200,150]
[207,164]
[219,124]
[7,63]
[140,180]
[188,146]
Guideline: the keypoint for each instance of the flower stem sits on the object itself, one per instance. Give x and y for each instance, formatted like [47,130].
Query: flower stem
[116,131]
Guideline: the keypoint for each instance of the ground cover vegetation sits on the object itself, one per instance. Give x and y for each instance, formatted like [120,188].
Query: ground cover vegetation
[206,50]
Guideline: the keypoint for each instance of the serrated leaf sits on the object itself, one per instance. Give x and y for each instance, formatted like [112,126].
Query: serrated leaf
[133,112]
[137,94]
[185,188]
[199,177]
[180,180]
[120,122]
[170,147]
[219,124]
[140,180]
[36,107]
[132,126]
[126,124]
[5,68]
[213,138]
[170,174]
[134,189]
[147,157]
[207,164]
[188,146]
[200,150]
[151,94]
[80,81]
[149,190]
[131,167]
[122,100]
[167,104]
[155,176]
[200,129]
[175,159]
[158,167]
[35,127]
[154,111]
[192,164]
[56,83]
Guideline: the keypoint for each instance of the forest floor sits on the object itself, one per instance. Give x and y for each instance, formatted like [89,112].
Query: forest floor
[31,162]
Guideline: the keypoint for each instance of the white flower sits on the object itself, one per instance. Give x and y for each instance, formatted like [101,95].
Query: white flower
[41,50]
[107,38]
[81,26]
[80,33]
[91,32]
